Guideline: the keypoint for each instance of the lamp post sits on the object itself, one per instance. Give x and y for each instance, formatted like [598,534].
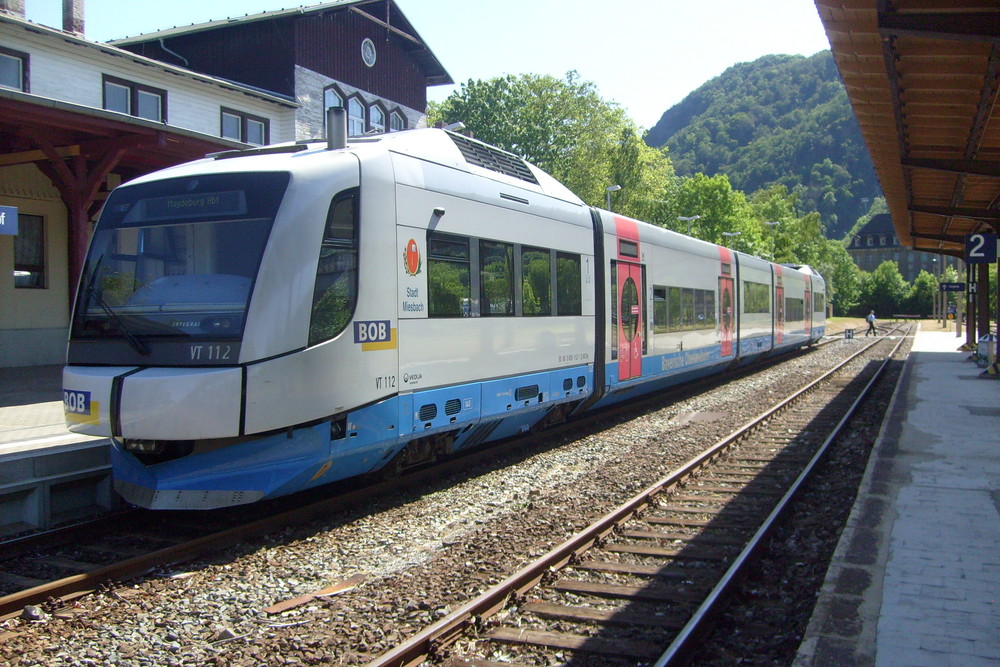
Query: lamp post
[607,193]
[689,220]
[730,235]
[771,225]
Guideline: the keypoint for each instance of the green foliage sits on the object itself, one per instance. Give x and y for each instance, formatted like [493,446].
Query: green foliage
[779,120]
[878,206]
[920,300]
[883,289]
[722,209]
[564,127]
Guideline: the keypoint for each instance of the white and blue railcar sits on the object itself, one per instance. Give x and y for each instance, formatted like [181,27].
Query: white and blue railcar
[261,322]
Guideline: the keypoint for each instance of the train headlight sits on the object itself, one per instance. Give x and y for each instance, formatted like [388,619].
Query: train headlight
[216,324]
[145,446]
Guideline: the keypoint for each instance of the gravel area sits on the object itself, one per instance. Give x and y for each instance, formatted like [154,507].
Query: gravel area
[418,555]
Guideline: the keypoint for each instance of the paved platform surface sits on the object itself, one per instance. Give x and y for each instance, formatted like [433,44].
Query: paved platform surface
[31,409]
[915,579]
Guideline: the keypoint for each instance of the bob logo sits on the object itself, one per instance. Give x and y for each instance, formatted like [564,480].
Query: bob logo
[375,335]
[411,258]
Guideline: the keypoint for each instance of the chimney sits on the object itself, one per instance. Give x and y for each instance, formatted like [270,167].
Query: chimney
[72,17]
[15,7]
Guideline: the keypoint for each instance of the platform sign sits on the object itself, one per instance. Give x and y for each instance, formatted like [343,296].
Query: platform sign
[8,220]
[980,248]
[951,287]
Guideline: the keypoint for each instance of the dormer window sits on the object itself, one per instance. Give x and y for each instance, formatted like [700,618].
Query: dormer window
[396,122]
[378,118]
[355,117]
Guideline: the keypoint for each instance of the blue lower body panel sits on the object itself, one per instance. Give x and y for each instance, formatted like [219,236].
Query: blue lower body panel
[286,462]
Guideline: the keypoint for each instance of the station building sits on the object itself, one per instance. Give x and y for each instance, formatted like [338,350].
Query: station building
[877,242]
[78,118]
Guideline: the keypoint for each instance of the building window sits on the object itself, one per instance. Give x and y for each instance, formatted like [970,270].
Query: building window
[244,127]
[332,99]
[355,117]
[870,241]
[13,69]
[881,240]
[378,118]
[135,99]
[29,252]
[396,122]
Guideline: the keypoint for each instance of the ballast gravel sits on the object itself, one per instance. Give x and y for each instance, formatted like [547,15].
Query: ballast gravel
[417,555]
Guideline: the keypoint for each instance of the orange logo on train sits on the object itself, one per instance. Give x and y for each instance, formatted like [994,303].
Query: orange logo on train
[411,258]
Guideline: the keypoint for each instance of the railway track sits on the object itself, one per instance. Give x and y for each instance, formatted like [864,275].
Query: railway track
[55,568]
[641,584]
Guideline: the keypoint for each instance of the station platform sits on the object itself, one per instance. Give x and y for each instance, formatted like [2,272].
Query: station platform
[48,475]
[915,579]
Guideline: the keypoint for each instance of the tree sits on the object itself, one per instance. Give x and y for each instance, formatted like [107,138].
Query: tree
[565,128]
[883,289]
[920,300]
[843,277]
[722,209]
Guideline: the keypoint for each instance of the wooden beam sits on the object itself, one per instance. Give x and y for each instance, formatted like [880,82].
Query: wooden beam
[957,211]
[388,27]
[973,26]
[26,157]
[978,167]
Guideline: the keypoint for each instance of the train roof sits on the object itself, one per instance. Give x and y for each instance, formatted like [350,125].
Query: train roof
[433,145]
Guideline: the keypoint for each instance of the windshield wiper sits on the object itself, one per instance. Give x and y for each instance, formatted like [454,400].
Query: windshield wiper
[133,340]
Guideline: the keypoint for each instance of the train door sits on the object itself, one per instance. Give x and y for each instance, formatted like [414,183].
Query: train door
[630,319]
[779,307]
[808,315]
[727,302]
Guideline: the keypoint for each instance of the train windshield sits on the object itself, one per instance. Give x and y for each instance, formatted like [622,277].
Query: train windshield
[176,259]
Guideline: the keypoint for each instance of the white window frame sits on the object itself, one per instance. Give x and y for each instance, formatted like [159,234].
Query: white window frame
[20,62]
[356,122]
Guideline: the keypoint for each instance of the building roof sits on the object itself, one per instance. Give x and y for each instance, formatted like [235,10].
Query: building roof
[394,21]
[923,77]
[111,50]
[879,224]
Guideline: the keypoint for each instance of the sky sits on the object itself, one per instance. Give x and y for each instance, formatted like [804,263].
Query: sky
[645,55]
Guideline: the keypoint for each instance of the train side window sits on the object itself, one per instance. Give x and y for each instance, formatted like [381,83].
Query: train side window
[335,293]
[496,279]
[569,298]
[674,309]
[448,276]
[819,303]
[704,309]
[795,310]
[536,281]
[756,297]
[660,310]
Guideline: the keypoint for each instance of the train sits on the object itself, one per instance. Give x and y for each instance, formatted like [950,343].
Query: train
[263,321]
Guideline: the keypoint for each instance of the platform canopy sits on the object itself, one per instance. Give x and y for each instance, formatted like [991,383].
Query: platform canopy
[923,76]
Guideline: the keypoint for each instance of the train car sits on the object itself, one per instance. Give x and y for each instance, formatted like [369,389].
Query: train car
[261,322]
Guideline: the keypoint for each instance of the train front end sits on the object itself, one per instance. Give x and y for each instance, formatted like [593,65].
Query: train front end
[196,313]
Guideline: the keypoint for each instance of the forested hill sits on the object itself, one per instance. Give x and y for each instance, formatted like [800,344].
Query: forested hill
[780,119]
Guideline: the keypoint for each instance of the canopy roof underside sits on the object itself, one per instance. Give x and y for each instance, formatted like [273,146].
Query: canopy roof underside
[923,76]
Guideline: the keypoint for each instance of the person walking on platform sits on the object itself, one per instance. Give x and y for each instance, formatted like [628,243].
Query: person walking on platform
[871,323]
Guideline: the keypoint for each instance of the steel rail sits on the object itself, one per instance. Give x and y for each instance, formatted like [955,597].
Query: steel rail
[677,652]
[430,640]
[63,590]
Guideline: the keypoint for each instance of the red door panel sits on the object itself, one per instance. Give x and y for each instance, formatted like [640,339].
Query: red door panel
[630,318]
[726,319]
